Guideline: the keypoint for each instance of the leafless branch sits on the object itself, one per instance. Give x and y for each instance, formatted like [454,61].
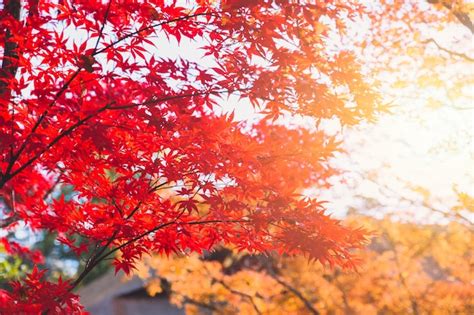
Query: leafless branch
[451,52]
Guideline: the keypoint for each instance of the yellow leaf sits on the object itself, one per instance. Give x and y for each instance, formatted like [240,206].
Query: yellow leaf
[154,287]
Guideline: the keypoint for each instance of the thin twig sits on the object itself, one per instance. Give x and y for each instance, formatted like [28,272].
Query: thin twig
[146,28]
[103,26]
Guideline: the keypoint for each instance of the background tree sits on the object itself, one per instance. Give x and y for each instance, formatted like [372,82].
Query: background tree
[408,269]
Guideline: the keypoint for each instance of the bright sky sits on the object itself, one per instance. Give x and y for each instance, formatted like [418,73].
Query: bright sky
[434,153]
[425,144]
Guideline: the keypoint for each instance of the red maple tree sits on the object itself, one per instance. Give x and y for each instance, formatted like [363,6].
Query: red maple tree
[90,99]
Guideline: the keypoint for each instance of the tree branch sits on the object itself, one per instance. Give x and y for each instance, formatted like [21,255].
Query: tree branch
[242,294]
[161,226]
[97,258]
[297,293]
[4,223]
[10,55]
[401,277]
[7,176]
[451,52]
[63,134]
[15,156]
[461,16]
[106,15]
[146,28]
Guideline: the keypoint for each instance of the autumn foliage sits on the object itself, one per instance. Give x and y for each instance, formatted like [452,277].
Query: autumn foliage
[92,99]
[408,269]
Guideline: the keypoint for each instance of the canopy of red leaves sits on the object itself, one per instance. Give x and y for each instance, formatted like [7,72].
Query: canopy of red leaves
[90,99]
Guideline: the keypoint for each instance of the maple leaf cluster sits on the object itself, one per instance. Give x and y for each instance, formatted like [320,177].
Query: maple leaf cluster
[35,295]
[91,100]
